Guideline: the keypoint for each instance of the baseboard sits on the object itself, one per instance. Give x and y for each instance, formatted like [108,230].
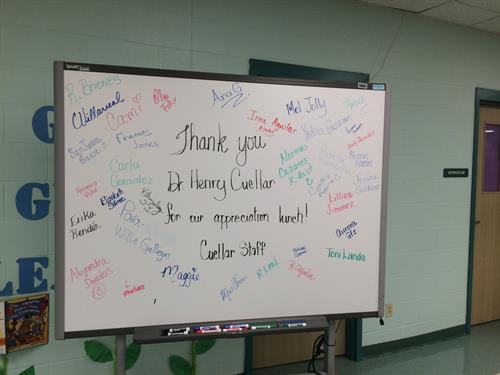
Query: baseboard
[427,338]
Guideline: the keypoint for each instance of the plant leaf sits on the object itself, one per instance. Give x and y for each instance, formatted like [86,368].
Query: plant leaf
[98,352]
[28,371]
[179,365]
[203,346]
[133,351]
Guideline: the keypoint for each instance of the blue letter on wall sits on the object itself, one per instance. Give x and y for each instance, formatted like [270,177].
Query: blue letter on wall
[7,290]
[24,200]
[28,274]
[41,125]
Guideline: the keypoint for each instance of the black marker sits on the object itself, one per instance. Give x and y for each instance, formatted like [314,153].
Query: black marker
[176,331]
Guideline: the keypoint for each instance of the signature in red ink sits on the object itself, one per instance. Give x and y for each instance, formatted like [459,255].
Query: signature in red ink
[263,128]
[287,128]
[132,289]
[163,99]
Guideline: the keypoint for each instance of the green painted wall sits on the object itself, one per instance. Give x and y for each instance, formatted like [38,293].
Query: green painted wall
[432,68]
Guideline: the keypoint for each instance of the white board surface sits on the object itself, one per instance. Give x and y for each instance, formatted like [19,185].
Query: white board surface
[189,200]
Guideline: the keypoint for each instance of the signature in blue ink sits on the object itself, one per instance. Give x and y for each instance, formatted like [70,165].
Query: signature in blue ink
[235,96]
[113,200]
[298,251]
[316,104]
[353,129]
[349,230]
[236,282]
[129,215]
[87,150]
[184,278]
[83,118]
[324,183]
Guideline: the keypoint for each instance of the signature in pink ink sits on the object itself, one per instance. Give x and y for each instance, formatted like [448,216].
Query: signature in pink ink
[132,289]
[99,291]
[300,271]
[125,118]
[92,275]
[163,99]
[87,190]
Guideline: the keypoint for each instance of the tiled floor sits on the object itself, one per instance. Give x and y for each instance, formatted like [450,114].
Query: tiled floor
[475,354]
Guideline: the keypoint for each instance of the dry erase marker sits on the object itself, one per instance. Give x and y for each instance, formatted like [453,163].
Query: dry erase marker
[178,331]
[207,329]
[264,325]
[235,327]
[293,323]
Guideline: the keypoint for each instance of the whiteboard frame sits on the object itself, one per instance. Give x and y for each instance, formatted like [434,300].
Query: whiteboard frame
[59,161]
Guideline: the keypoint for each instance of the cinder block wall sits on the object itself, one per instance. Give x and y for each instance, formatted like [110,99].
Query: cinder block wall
[432,67]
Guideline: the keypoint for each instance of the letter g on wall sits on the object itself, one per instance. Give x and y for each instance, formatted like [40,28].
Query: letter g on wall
[25,202]
[43,130]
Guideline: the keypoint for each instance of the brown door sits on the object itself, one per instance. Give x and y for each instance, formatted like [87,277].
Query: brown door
[288,348]
[486,269]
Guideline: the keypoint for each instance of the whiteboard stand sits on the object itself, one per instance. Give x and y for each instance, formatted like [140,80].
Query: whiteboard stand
[120,354]
[330,348]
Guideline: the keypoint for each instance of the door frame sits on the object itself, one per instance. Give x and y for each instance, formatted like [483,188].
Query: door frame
[483,97]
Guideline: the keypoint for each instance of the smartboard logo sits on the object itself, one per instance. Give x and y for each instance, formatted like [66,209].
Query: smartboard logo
[77,67]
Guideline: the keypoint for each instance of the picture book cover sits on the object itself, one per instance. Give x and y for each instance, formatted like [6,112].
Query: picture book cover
[27,322]
[2,327]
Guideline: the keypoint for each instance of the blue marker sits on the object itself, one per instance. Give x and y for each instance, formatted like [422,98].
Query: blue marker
[236,327]
[206,329]
[292,323]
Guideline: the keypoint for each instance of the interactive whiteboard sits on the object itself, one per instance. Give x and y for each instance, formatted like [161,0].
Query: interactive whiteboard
[188,197]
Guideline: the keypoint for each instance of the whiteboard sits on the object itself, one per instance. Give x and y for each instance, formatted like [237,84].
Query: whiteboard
[188,197]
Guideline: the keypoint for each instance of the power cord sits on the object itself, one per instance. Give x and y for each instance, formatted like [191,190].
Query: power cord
[318,350]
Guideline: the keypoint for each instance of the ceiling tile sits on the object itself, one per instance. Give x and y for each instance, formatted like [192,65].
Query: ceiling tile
[460,13]
[493,5]
[491,25]
[409,5]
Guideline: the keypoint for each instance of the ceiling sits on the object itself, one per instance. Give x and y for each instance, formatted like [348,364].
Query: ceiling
[480,14]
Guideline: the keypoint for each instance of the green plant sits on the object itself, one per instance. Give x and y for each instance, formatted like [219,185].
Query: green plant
[3,369]
[98,352]
[181,366]
[28,371]
[3,364]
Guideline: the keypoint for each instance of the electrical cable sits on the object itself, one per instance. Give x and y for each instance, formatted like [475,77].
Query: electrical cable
[311,367]
[389,49]
[317,350]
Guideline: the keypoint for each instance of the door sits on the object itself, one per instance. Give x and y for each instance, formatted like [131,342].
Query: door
[486,265]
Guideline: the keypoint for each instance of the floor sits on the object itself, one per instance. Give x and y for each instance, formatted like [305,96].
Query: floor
[474,354]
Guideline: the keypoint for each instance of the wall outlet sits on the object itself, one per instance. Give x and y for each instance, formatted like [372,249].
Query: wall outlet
[389,309]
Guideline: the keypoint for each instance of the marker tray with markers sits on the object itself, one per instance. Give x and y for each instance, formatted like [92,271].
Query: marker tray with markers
[231,329]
